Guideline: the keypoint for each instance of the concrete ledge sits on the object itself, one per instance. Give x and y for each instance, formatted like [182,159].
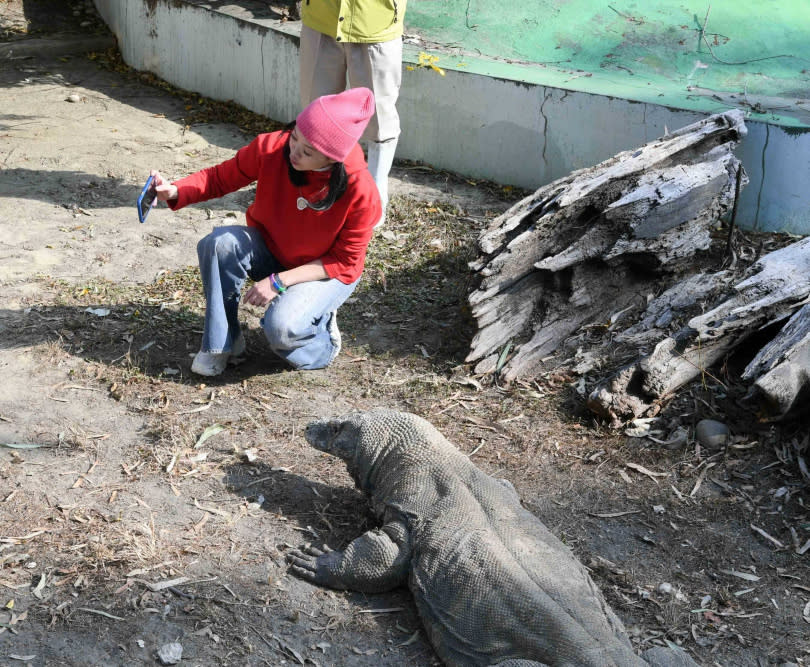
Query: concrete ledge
[509,127]
[58,45]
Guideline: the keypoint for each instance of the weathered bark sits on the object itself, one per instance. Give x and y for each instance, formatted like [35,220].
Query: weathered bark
[666,310]
[595,243]
[782,368]
[777,286]
[577,265]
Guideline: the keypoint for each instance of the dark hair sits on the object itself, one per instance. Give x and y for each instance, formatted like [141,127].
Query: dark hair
[338,178]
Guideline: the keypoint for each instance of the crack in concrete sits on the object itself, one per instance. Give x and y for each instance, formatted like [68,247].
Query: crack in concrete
[545,125]
[762,180]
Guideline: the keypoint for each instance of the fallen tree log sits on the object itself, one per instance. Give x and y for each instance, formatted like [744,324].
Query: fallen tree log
[586,248]
[615,267]
[776,289]
[781,370]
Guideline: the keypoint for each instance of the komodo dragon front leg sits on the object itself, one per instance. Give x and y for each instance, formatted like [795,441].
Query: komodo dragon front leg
[377,561]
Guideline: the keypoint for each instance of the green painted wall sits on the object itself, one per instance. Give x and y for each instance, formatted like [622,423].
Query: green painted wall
[695,55]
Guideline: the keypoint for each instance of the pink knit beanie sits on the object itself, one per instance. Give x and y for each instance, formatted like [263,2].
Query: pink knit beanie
[334,123]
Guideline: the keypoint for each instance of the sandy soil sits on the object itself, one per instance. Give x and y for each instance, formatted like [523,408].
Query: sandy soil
[145,507]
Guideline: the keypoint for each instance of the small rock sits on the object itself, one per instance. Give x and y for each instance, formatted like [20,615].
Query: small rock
[73,97]
[170,654]
[711,434]
[665,588]
[250,455]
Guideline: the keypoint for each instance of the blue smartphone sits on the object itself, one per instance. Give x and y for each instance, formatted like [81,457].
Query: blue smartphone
[147,199]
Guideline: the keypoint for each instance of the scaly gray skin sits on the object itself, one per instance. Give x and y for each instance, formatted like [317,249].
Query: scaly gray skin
[492,585]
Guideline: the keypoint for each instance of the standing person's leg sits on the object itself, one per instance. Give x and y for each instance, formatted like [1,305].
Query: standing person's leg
[301,325]
[227,256]
[379,67]
[321,65]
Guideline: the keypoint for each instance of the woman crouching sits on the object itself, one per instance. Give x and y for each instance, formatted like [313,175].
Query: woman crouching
[306,237]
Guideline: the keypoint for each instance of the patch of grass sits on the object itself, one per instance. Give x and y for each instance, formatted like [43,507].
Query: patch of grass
[415,284]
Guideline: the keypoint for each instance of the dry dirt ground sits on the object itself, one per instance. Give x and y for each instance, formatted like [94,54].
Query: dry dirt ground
[141,507]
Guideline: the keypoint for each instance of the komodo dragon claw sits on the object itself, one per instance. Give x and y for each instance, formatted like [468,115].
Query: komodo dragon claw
[315,565]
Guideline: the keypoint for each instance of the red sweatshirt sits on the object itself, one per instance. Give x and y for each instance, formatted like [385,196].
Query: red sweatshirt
[338,236]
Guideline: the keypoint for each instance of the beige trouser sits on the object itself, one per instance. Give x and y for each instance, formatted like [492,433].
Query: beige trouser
[325,65]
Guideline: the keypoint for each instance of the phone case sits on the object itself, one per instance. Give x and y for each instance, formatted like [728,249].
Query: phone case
[146,200]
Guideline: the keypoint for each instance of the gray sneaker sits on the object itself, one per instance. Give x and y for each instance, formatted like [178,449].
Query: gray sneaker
[334,335]
[212,364]
[209,364]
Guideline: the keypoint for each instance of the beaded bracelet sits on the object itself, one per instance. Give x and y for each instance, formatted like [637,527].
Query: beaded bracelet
[280,286]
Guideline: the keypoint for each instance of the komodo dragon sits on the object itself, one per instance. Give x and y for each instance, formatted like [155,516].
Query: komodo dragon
[492,585]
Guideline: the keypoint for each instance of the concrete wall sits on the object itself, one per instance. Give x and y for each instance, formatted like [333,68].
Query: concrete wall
[509,131]
[210,52]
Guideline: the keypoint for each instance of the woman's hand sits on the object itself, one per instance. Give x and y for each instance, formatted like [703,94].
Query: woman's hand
[261,293]
[165,190]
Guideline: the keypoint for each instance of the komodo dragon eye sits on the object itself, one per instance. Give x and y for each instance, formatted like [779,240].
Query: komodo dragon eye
[343,440]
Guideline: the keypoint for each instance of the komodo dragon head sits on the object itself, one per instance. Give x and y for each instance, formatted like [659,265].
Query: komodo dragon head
[363,440]
[338,436]
[351,438]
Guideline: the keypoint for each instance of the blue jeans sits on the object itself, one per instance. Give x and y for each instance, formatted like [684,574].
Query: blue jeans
[294,323]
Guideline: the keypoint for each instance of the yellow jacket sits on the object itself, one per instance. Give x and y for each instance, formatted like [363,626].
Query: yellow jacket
[363,21]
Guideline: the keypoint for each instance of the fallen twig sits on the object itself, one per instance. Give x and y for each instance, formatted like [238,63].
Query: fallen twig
[161,585]
[767,537]
[193,410]
[700,478]
[100,613]
[645,471]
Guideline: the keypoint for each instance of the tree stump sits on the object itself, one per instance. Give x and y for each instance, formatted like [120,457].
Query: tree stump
[616,267]
[586,249]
